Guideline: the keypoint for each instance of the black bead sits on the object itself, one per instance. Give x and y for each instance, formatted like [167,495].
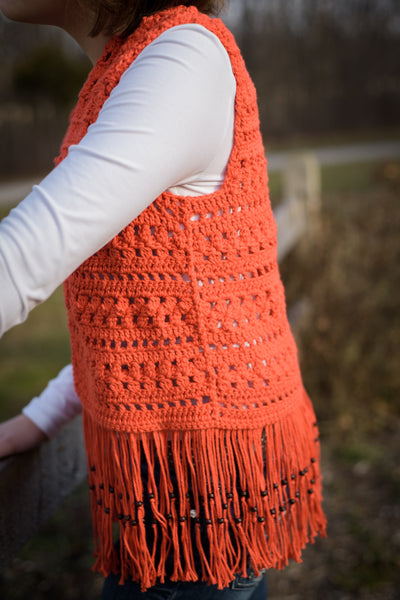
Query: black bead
[254,509]
[151,496]
[297,494]
[99,502]
[208,522]
[310,491]
[275,486]
[302,472]
[107,511]
[91,487]
[238,520]
[225,506]
[221,520]
[292,501]
[313,460]
[169,516]
[133,522]
[292,476]
[101,486]
[273,511]
[139,503]
[312,481]
[282,509]
[187,495]
[182,519]
[197,520]
[211,495]
[264,493]
[120,517]
[172,494]
[229,495]
[260,519]
[111,489]
[127,517]
[243,494]
[92,468]
[284,482]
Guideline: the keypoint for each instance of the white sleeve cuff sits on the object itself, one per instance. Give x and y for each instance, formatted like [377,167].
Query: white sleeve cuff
[57,404]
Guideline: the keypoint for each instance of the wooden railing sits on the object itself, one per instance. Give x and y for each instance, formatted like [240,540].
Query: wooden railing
[33,484]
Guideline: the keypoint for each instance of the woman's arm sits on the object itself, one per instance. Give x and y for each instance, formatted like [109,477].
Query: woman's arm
[164,124]
[43,417]
[56,405]
[168,124]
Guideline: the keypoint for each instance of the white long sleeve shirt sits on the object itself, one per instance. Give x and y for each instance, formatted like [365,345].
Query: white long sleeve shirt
[168,124]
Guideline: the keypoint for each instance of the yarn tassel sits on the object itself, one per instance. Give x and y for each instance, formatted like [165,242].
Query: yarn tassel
[236,499]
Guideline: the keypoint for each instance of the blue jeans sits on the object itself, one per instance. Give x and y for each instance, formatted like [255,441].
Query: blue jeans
[241,588]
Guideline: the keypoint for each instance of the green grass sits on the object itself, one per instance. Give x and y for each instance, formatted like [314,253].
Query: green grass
[353,177]
[348,178]
[31,354]
[275,187]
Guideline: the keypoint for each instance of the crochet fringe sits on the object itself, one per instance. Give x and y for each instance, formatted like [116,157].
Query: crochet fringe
[244,498]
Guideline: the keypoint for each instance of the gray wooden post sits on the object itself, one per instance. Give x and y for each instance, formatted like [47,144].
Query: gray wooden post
[300,219]
[33,485]
[298,214]
[302,180]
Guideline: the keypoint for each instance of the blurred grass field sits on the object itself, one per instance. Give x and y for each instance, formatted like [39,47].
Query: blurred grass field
[33,353]
[349,349]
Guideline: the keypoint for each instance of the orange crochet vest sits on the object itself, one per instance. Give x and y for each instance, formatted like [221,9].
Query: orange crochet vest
[186,366]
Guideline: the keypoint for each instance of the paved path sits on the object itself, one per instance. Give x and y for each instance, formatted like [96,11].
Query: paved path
[342,154]
[13,191]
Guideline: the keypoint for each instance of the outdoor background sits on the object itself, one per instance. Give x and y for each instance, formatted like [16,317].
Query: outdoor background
[327,74]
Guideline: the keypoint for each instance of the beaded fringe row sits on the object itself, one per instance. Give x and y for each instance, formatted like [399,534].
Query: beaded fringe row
[259,492]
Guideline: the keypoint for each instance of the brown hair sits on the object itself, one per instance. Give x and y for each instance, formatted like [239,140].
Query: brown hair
[123,16]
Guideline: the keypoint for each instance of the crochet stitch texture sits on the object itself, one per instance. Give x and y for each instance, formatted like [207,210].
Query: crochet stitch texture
[185,363]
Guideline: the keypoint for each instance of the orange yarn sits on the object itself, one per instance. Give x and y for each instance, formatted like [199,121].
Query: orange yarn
[185,363]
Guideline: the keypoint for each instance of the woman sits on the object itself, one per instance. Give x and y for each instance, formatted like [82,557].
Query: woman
[201,440]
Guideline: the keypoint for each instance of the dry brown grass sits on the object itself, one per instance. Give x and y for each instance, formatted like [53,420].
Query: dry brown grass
[350,351]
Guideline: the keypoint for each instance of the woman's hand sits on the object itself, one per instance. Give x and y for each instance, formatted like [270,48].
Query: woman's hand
[18,435]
